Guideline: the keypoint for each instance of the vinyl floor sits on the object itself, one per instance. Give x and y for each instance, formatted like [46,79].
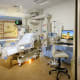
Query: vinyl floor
[37,70]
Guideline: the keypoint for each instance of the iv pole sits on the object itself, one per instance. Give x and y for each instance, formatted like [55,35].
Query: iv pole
[48,28]
[54,26]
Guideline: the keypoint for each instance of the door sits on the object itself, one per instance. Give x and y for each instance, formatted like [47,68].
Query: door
[78,40]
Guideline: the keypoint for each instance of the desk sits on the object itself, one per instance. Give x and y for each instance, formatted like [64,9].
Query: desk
[67,49]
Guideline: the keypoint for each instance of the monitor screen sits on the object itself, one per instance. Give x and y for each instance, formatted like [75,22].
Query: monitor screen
[67,34]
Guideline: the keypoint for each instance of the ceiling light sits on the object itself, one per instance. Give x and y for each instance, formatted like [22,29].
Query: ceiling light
[16,6]
[40,1]
[44,3]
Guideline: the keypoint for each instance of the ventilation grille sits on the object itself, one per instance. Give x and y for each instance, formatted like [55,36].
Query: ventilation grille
[39,1]
[34,14]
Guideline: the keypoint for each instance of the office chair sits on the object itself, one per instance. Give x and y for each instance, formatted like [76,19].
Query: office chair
[58,68]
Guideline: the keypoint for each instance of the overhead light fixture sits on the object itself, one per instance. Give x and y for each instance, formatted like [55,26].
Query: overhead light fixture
[15,6]
[44,3]
[41,2]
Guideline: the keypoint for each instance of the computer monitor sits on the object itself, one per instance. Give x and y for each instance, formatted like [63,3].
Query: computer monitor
[67,34]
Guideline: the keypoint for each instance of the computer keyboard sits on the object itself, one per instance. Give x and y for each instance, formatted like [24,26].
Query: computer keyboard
[64,43]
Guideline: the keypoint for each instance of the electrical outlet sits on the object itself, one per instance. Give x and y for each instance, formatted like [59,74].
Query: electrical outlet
[79,60]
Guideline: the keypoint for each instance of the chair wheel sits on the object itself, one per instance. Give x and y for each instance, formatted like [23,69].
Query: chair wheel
[66,71]
[48,64]
[19,65]
[57,79]
[49,72]
[68,76]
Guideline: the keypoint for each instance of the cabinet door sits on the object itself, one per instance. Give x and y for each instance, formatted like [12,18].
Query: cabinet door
[1,31]
[10,30]
[78,61]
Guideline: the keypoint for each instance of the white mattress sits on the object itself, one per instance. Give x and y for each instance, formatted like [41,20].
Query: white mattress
[8,51]
[26,39]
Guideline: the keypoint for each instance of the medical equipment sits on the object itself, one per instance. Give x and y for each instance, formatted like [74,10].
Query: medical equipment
[67,34]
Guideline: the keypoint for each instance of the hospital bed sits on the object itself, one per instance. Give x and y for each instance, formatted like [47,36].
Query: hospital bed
[25,43]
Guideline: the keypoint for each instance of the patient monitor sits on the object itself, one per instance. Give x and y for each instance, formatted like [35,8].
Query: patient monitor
[67,34]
